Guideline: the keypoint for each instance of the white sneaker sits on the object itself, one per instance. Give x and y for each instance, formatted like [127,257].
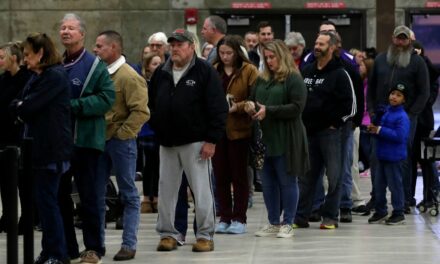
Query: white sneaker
[268,230]
[286,231]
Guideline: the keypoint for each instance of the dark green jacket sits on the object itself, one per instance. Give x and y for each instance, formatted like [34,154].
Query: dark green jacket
[289,114]
[90,108]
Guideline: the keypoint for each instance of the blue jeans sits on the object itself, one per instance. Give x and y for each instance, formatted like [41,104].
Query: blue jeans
[324,152]
[389,174]
[53,242]
[347,160]
[279,188]
[121,156]
[346,177]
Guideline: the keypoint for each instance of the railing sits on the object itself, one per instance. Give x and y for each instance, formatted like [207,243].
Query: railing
[19,160]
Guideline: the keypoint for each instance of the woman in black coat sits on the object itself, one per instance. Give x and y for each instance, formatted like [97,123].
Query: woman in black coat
[12,82]
[45,112]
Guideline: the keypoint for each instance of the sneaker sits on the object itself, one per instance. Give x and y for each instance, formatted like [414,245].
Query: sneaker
[89,257]
[250,202]
[315,216]
[328,223]
[286,231]
[221,227]
[377,218]
[119,224]
[236,228]
[395,220]
[167,244]
[300,223]
[370,205]
[40,259]
[53,261]
[345,215]
[268,230]
[75,260]
[360,210]
[203,245]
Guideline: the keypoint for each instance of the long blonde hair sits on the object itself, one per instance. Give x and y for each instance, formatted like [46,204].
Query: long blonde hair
[286,63]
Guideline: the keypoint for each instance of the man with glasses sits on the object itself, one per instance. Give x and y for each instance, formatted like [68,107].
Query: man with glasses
[158,44]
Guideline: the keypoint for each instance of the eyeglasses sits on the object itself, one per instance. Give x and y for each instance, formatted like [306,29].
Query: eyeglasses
[293,48]
[156,46]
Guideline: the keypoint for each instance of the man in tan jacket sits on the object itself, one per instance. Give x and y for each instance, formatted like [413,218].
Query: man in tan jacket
[124,120]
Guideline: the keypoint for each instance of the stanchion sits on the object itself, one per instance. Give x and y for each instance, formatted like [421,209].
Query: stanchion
[27,203]
[10,156]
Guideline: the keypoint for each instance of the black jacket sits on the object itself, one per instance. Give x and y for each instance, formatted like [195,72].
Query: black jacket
[193,110]
[358,86]
[415,77]
[330,99]
[11,88]
[45,110]
[426,117]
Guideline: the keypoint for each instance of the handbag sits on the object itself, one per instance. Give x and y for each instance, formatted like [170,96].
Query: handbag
[257,147]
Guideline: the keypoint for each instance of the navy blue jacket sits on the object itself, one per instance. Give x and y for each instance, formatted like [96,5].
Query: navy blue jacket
[393,135]
[45,110]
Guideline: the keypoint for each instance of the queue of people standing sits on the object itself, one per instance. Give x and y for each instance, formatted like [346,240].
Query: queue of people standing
[193,119]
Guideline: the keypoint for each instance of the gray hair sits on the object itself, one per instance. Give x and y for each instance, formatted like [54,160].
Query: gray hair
[218,23]
[158,36]
[73,16]
[294,39]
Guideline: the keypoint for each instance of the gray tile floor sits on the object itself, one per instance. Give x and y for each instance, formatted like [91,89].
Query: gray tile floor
[418,241]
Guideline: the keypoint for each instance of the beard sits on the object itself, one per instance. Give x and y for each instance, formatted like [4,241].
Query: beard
[320,53]
[399,57]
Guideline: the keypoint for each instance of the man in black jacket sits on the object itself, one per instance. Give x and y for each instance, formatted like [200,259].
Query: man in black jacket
[400,64]
[265,34]
[188,114]
[330,103]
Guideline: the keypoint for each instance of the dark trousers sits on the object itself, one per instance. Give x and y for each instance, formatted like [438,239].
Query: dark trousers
[150,170]
[84,168]
[389,174]
[5,193]
[230,167]
[53,242]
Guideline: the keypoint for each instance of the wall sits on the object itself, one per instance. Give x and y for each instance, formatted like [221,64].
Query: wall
[136,19]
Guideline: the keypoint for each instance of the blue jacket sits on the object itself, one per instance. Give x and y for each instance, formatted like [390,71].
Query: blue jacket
[393,135]
[45,110]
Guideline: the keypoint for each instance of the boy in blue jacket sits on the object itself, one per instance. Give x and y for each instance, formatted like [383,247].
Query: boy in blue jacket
[391,132]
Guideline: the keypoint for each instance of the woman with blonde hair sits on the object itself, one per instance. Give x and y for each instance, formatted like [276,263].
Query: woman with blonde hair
[278,100]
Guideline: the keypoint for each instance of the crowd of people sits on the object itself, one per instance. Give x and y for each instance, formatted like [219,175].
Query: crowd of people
[208,123]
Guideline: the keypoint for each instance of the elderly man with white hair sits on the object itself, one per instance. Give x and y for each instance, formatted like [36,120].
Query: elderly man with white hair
[158,44]
[296,44]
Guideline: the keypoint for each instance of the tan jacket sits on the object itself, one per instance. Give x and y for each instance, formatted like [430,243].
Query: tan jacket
[239,124]
[130,110]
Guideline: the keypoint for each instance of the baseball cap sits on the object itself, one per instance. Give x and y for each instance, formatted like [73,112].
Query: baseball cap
[402,30]
[401,88]
[181,35]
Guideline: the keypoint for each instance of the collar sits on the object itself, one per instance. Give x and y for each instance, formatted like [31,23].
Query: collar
[71,58]
[112,68]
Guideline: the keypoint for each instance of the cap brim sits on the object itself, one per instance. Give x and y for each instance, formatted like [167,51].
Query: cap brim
[180,39]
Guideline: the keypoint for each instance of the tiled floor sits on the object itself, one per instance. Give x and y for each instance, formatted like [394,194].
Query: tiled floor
[416,242]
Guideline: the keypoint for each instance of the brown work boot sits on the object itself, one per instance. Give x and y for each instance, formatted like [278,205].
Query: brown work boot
[167,244]
[203,245]
[124,254]
[146,207]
